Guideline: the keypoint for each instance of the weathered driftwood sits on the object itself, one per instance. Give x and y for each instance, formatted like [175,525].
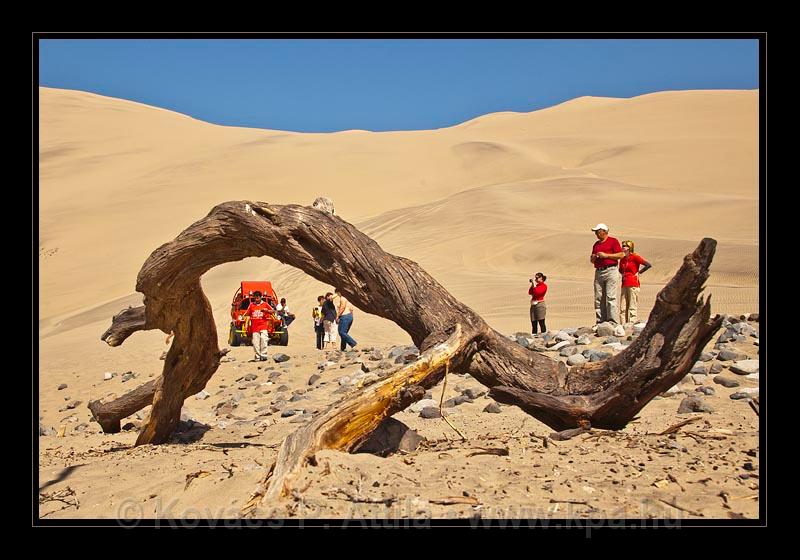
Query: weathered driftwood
[603,395]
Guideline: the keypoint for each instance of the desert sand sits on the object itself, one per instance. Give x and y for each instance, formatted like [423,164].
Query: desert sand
[481,206]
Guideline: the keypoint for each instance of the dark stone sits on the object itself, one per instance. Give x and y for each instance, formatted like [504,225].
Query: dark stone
[279,357]
[62,386]
[128,427]
[376,355]
[716,367]
[741,395]
[250,377]
[492,408]
[522,341]
[706,357]
[728,355]
[430,412]
[726,381]
[473,393]
[753,317]
[694,403]
[296,398]
[282,388]
[706,390]
[288,412]
[390,437]
[127,376]
[568,351]
[274,375]
[598,356]
[313,379]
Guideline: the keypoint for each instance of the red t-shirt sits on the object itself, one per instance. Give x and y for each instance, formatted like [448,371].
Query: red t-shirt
[538,291]
[259,314]
[610,245]
[629,267]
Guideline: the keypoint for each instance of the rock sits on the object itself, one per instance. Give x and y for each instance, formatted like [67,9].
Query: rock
[583,340]
[127,376]
[706,357]
[726,381]
[390,437]
[473,393]
[296,398]
[376,355]
[706,390]
[313,379]
[62,386]
[202,395]
[576,360]
[449,403]
[279,357]
[716,367]
[740,395]
[73,404]
[345,380]
[282,388]
[605,329]
[562,336]
[694,403]
[583,331]
[128,427]
[522,341]
[492,408]
[250,377]
[461,399]
[753,317]
[80,427]
[546,337]
[619,330]
[599,356]
[430,412]
[745,367]
[274,375]
[728,355]
[674,390]
[568,351]
[699,379]
[558,345]
[44,431]
[420,405]
[288,412]
[699,368]
[611,340]
[107,375]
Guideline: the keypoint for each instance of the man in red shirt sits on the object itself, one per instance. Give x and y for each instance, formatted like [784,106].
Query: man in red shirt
[257,315]
[606,253]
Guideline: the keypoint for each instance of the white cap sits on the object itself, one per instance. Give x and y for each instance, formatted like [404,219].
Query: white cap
[600,226]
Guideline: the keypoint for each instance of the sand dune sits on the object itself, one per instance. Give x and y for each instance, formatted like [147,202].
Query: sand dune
[480,205]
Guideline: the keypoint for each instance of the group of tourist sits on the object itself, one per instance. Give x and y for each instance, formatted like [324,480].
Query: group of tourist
[614,263]
[333,309]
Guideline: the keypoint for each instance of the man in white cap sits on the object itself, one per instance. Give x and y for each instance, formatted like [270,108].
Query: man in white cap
[605,257]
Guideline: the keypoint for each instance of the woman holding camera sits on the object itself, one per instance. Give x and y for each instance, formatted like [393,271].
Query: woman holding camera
[538,308]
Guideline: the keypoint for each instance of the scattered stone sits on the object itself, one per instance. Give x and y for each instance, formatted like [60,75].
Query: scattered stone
[605,329]
[562,336]
[726,381]
[568,351]
[576,360]
[282,388]
[62,386]
[753,317]
[619,330]
[127,376]
[492,408]
[274,375]
[694,403]
[288,412]
[108,375]
[390,437]
[128,427]
[583,340]
[557,345]
[523,341]
[699,379]
[430,412]
[706,390]
[279,357]
[699,368]
[420,405]
[313,379]
[202,395]
[296,398]
[598,356]
[611,340]
[716,367]
[745,367]
[706,357]
[44,431]
[473,393]
[250,377]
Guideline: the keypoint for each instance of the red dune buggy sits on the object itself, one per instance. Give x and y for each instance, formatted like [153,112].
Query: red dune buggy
[278,334]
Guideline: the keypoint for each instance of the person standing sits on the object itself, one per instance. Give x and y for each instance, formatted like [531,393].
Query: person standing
[316,314]
[329,320]
[606,252]
[256,317]
[629,268]
[538,308]
[345,317]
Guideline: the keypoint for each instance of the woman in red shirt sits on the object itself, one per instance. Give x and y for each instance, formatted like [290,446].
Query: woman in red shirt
[629,268]
[538,309]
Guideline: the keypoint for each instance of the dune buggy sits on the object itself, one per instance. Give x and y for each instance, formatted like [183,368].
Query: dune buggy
[238,336]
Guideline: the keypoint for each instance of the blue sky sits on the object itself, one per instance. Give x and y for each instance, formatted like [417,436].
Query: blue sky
[324,85]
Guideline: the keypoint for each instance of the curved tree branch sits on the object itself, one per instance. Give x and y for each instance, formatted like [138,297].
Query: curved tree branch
[335,252]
